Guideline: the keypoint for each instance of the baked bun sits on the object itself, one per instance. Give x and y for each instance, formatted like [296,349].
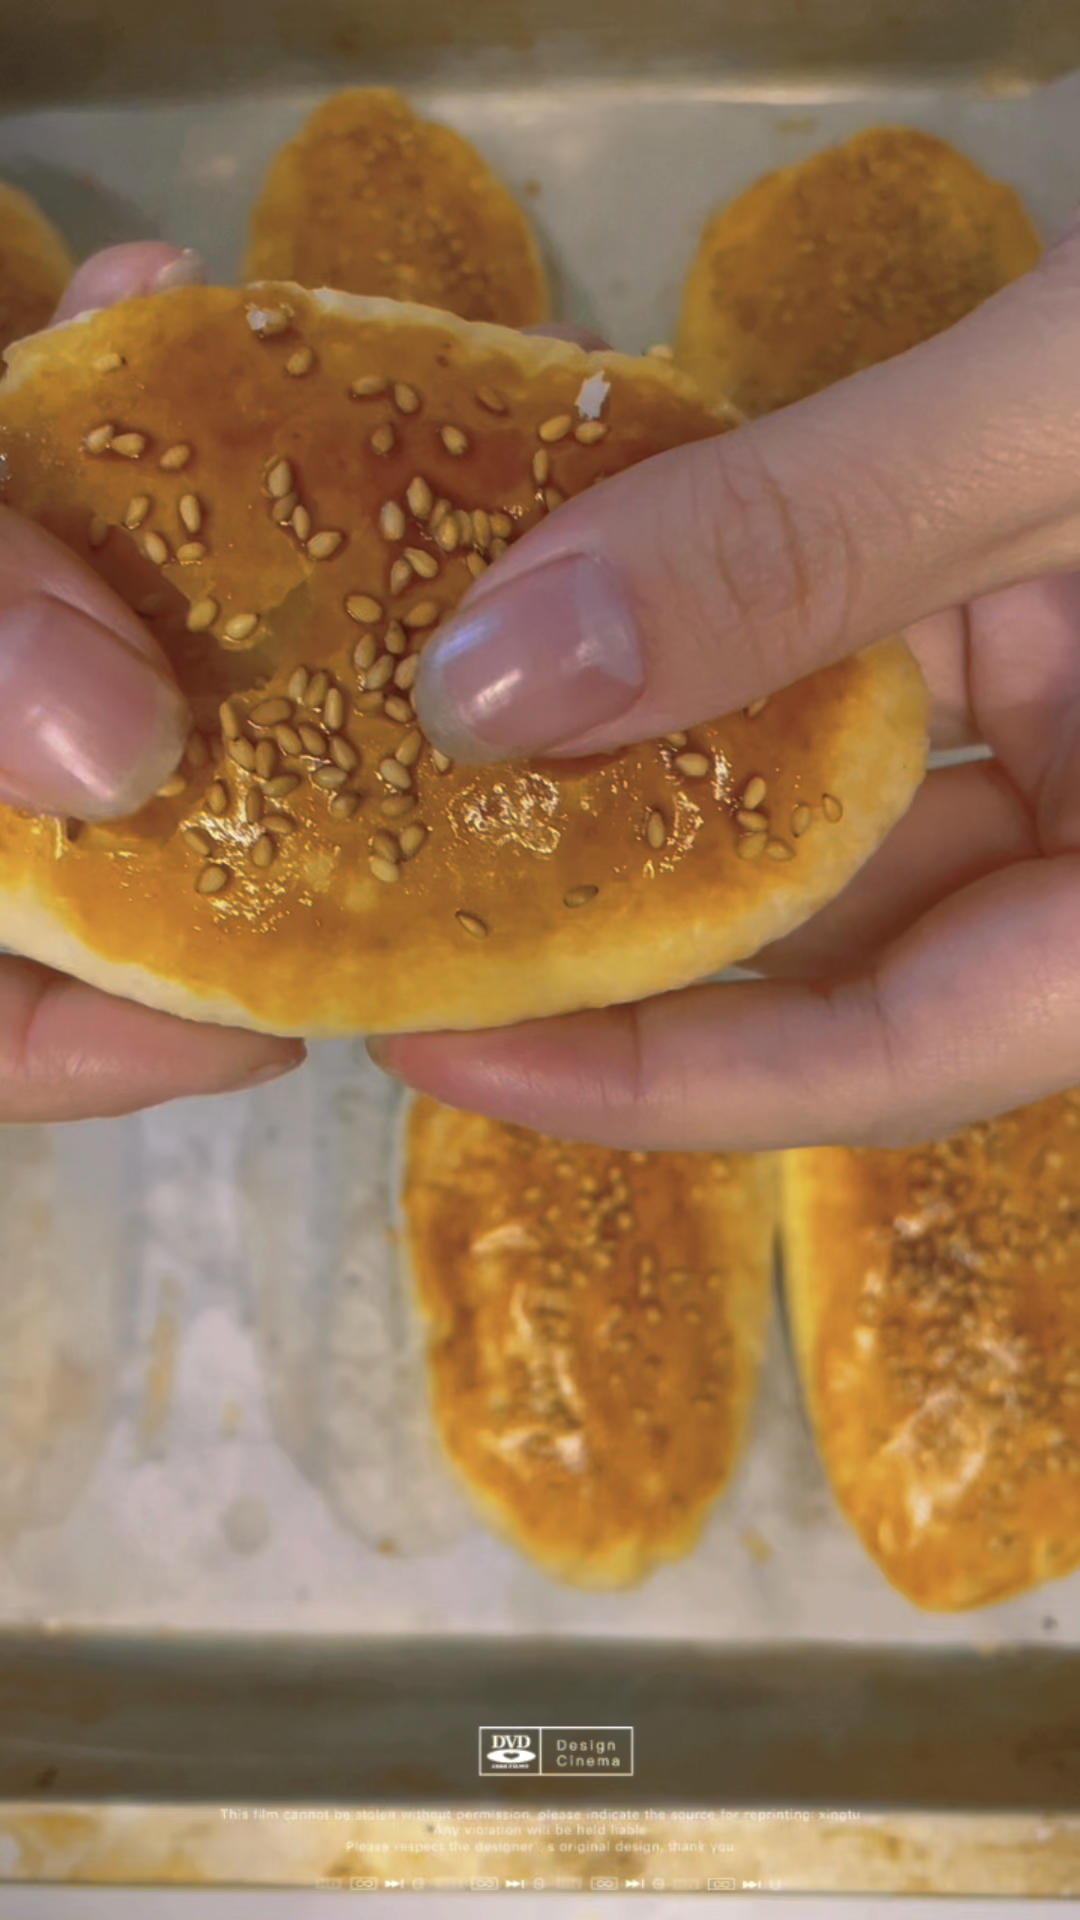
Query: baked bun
[35,266]
[934,1301]
[294,489]
[842,261]
[596,1322]
[372,199]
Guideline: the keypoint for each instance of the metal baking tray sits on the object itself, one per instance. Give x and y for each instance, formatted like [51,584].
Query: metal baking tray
[248,1630]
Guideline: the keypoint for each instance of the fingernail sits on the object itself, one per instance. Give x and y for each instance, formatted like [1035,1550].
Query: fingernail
[88,727]
[187,270]
[376,1046]
[532,665]
[273,1070]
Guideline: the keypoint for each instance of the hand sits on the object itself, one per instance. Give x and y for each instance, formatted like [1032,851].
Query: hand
[91,723]
[939,495]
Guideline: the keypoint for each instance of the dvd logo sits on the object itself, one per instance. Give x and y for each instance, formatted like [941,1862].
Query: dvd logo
[510,1750]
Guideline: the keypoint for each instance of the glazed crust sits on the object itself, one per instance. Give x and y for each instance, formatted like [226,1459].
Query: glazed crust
[536,889]
[371,199]
[844,260]
[934,1302]
[595,1324]
[35,265]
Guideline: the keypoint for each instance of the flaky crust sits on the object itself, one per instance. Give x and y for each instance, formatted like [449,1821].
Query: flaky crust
[934,1302]
[595,1324]
[844,260]
[537,889]
[35,265]
[372,199]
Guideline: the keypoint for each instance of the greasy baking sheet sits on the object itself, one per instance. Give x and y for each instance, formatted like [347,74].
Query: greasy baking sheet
[212,1420]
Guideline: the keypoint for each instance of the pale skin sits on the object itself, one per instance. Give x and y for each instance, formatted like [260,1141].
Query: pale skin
[938,496]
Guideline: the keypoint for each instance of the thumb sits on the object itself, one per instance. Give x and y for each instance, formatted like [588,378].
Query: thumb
[709,576]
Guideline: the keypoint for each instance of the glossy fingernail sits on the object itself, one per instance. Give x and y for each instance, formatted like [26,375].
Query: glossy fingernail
[187,270]
[533,665]
[273,1070]
[88,726]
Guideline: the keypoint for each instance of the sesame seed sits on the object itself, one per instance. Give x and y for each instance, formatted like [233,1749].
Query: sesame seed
[318,688]
[364,608]
[421,562]
[368,386]
[489,399]
[108,362]
[754,791]
[300,362]
[441,761]
[412,839]
[313,739]
[476,564]
[676,739]
[217,797]
[407,751]
[502,526]
[554,429]
[270,713]
[385,870]
[198,841]
[253,805]
[588,432]
[279,480]
[136,511]
[298,684]
[377,676]
[464,525]
[446,534]
[175,457]
[406,670]
[800,820]
[329,778]
[243,752]
[282,784]
[438,513]
[399,710]
[553,498]
[419,497]
[749,845]
[131,446]
[395,775]
[156,549]
[406,398]
[655,830]
[282,510]
[832,808]
[661,353]
[197,751]
[391,521]
[334,710]
[471,924]
[454,440]
[394,639]
[400,574]
[424,614]
[364,652]
[580,896]
[99,439]
[396,805]
[279,823]
[265,759]
[190,511]
[385,845]
[213,880]
[190,552]
[541,466]
[169,788]
[322,545]
[755,708]
[779,850]
[263,853]
[288,740]
[693,766]
[98,531]
[241,626]
[344,805]
[343,754]
[368,703]
[382,440]
[300,522]
[751,820]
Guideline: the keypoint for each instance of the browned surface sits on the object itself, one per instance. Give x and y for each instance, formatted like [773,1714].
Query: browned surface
[34,266]
[315,942]
[842,261]
[371,199]
[595,1324]
[936,1305]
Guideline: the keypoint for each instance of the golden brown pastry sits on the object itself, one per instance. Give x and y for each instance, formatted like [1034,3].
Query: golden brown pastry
[371,199]
[842,261]
[294,489]
[596,1321]
[934,1299]
[35,265]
